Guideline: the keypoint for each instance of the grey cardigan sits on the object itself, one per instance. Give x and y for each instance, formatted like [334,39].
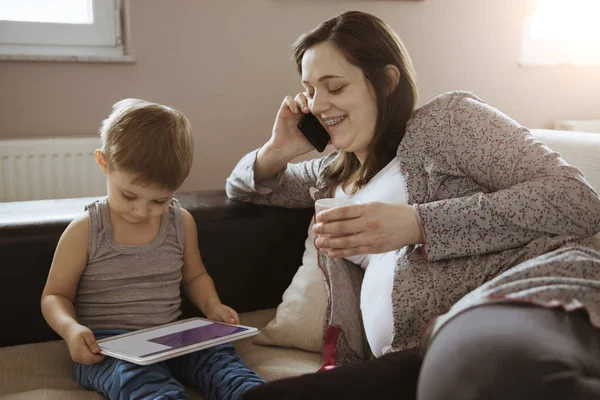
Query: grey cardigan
[504,219]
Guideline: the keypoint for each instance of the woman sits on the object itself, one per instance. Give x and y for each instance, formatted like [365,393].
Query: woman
[463,214]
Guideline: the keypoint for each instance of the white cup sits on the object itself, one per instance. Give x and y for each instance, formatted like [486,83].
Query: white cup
[325,204]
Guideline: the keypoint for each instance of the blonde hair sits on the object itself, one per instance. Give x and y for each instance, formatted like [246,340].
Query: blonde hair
[150,140]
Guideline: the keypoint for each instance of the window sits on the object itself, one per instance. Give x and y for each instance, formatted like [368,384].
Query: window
[562,32]
[80,30]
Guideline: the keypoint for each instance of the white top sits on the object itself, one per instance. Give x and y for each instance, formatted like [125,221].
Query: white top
[376,291]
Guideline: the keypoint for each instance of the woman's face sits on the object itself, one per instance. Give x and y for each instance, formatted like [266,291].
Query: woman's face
[341,98]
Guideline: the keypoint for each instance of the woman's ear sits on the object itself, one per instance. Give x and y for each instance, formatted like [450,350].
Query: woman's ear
[99,156]
[393,76]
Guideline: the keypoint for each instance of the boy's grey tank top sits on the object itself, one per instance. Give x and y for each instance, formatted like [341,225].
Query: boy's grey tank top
[130,287]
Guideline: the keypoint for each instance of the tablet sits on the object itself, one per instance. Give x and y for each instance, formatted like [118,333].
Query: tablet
[159,343]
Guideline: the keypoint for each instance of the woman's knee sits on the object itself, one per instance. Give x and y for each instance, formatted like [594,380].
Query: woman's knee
[466,367]
[489,353]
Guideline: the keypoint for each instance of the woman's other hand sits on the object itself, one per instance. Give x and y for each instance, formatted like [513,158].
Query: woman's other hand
[369,228]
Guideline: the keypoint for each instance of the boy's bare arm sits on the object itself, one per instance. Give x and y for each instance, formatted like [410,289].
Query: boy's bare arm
[69,262]
[197,283]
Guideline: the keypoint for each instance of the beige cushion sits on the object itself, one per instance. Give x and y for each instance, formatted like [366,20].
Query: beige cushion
[54,394]
[595,241]
[44,371]
[580,149]
[300,317]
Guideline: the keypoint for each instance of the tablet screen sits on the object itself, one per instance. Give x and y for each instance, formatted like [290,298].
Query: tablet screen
[192,336]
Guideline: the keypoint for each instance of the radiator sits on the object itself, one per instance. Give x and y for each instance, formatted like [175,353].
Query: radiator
[34,169]
[578,125]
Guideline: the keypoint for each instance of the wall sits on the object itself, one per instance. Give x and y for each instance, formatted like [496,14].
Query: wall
[225,63]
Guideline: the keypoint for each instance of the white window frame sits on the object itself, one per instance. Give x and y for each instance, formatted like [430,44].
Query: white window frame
[101,41]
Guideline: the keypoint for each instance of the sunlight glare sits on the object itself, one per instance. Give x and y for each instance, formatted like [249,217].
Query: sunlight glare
[54,11]
[570,20]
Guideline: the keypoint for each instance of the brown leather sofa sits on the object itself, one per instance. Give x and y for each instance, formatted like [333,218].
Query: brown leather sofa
[252,252]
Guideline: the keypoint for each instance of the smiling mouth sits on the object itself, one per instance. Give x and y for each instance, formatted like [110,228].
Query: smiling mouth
[334,121]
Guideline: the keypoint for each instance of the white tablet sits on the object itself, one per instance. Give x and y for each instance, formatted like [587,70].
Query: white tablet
[148,346]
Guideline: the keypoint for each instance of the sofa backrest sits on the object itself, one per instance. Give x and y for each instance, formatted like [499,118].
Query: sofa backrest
[580,149]
[252,252]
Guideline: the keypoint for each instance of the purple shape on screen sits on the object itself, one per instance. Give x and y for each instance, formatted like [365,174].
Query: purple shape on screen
[192,336]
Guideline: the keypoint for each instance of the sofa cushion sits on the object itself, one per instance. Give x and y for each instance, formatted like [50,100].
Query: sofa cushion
[268,243]
[45,371]
[300,318]
[55,394]
[580,149]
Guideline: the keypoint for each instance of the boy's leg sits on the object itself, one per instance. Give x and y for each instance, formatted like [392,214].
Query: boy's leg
[122,380]
[217,371]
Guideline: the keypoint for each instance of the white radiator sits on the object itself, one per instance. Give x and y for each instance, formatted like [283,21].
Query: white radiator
[34,169]
[578,125]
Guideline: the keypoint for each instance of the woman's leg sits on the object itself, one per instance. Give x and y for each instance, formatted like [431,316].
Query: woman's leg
[393,376]
[217,371]
[513,351]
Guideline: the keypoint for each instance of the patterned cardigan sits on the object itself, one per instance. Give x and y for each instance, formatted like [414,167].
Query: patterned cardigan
[504,219]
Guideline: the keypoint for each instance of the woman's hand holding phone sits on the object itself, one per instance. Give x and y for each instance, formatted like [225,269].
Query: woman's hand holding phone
[286,137]
[287,141]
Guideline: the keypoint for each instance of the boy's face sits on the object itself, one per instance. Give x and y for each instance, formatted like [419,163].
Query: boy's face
[134,202]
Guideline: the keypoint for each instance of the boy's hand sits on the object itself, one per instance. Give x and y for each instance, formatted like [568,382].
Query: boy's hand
[220,312]
[83,346]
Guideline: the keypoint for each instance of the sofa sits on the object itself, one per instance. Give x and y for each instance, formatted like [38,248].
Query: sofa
[252,252]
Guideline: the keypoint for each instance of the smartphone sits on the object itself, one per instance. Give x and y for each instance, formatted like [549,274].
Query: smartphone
[310,127]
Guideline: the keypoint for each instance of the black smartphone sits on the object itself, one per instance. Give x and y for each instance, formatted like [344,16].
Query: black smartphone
[310,127]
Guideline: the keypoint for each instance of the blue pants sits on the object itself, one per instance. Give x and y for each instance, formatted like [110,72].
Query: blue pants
[217,371]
